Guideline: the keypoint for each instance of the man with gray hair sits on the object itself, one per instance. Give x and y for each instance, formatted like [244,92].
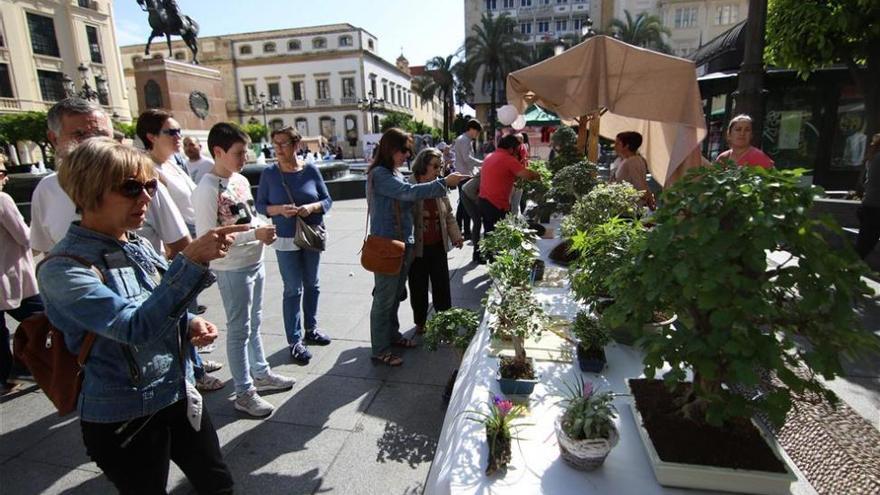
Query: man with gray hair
[198,164]
[70,122]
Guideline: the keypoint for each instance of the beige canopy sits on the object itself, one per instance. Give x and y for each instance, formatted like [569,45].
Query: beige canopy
[639,90]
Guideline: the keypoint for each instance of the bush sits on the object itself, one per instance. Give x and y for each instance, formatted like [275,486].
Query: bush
[573,182]
[564,140]
[600,252]
[589,331]
[603,203]
[456,326]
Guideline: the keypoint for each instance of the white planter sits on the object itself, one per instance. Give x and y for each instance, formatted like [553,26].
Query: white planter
[716,478]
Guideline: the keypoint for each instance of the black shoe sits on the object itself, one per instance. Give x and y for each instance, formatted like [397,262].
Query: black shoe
[300,353]
[200,309]
[316,337]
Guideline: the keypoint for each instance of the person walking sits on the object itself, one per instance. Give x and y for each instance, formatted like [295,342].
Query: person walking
[468,164]
[289,189]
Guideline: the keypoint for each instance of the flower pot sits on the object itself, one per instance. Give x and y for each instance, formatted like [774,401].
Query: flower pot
[499,451]
[516,386]
[591,362]
[584,455]
[538,271]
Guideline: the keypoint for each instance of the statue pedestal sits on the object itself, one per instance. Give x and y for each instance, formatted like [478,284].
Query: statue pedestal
[194,94]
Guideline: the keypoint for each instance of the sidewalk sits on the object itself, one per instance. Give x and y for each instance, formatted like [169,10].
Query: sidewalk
[347,426]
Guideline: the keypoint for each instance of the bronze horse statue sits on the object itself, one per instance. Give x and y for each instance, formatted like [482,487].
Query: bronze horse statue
[165,18]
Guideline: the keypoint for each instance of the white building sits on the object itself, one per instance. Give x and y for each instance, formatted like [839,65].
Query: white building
[694,23]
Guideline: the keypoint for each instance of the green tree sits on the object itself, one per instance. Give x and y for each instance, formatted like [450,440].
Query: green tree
[255,131]
[496,47]
[809,35]
[129,129]
[395,119]
[439,81]
[645,30]
[27,126]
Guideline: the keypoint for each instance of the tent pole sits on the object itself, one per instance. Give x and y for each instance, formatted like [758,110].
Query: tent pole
[593,145]
[582,133]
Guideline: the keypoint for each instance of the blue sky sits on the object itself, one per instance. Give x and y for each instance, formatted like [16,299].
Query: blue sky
[424,28]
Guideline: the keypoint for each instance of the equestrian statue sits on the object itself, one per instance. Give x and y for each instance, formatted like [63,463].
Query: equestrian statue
[165,18]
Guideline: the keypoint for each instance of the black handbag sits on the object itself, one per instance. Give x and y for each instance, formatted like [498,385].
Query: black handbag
[311,237]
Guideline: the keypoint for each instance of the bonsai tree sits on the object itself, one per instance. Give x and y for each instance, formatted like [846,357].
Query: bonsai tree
[601,204]
[572,182]
[455,326]
[564,141]
[518,317]
[512,249]
[590,333]
[600,251]
[706,260]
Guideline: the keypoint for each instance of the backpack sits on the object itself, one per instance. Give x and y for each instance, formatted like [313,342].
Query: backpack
[40,346]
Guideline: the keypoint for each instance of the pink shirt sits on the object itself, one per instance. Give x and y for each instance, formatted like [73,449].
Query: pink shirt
[17,277]
[752,158]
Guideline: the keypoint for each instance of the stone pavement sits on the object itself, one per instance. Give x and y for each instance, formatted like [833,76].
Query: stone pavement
[347,426]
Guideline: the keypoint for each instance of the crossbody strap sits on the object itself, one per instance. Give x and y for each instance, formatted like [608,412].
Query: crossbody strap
[396,210]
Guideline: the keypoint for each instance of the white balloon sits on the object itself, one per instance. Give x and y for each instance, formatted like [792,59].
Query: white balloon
[519,123]
[507,114]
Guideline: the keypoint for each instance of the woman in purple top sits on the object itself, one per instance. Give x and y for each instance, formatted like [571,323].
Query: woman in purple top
[287,190]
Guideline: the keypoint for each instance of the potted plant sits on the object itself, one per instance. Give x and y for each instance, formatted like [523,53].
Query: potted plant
[537,191]
[601,250]
[585,430]
[601,204]
[513,250]
[455,327]
[518,316]
[706,261]
[499,425]
[592,337]
[572,182]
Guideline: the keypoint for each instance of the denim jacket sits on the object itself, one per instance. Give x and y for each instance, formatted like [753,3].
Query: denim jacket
[383,188]
[136,366]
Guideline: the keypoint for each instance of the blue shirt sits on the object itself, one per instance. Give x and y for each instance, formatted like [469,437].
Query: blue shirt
[306,186]
[384,187]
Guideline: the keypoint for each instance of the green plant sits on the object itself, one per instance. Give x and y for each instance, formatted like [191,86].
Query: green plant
[587,415]
[129,129]
[537,190]
[706,260]
[600,251]
[589,331]
[499,428]
[573,182]
[604,202]
[512,249]
[517,316]
[255,131]
[455,326]
[564,141]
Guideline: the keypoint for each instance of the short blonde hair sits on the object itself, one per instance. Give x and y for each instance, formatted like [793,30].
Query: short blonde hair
[739,118]
[97,166]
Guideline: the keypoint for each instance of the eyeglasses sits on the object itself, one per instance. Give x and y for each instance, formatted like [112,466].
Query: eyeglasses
[172,131]
[285,144]
[132,188]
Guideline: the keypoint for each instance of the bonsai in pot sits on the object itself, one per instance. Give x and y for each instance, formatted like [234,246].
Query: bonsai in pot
[601,250]
[592,337]
[499,431]
[601,204]
[572,182]
[585,430]
[537,191]
[512,249]
[455,327]
[706,261]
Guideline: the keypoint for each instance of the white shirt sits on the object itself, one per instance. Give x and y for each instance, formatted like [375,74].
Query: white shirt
[219,201]
[197,168]
[52,211]
[181,187]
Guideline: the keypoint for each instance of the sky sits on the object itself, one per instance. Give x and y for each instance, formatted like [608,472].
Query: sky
[423,28]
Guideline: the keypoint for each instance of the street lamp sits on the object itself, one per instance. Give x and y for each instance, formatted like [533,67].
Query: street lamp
[262,104]
[368,104]
[86,92]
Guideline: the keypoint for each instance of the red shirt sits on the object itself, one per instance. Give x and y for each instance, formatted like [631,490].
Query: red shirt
[430,222]
[497,177]
[752,158]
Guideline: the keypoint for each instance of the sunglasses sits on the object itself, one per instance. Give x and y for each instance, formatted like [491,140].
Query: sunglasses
[173,131]
[132,188]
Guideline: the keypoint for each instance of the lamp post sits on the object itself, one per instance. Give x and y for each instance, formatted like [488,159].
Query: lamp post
[99,93]
[263,103]
[367,104]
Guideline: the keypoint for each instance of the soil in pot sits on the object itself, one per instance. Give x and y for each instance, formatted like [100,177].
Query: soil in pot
[499,452]
[591,360]
[538,270]
[509,368]
[563,254]
[737,445]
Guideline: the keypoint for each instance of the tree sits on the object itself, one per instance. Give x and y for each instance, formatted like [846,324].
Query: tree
[27,126]
[255,131]
[439,81]
[497,48]
[809,35]
[395,119]
[128,129]
[645,30]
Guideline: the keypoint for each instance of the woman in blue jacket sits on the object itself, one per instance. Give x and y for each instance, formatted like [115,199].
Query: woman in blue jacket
[388,192]
[138,407]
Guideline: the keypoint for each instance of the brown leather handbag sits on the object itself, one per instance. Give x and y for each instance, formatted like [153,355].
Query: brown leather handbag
[382,255]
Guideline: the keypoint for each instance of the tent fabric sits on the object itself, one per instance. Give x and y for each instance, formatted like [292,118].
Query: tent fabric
[641,90]
[537,116]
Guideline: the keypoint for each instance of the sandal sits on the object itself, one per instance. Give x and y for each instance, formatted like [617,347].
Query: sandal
[388,359]
[404,343]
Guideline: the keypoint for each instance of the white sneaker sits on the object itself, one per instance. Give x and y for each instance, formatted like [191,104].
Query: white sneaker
[208,383]
[251,403]
[273,381]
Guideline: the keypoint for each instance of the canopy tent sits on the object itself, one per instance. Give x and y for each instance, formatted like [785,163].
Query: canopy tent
[637,89]
[537,116]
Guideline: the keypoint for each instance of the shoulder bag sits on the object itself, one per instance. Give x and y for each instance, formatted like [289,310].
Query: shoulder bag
[311,237]
[380,254]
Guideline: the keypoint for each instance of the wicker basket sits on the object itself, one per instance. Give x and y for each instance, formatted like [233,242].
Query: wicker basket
[584,455]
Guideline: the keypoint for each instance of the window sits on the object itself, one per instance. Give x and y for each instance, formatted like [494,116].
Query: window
[345,41]
[686,17]
[399,96]
[274,90]
[373,85]
[323,89]
[179,56]
[328,126]
[269,47]
[385,91]
[525,3]
[393,95]
[86,4]
[491,5]
[244,50]
[726,14]
[103,98]
[561,25]
[94,45]
[543,26]
[5,82]
[152,94]
[578,24]
[51,85]
[298,90]
[294,45]
[348,87]
[507,4]
[43,40]
[525,27]
[319,43]
[370,44]
[275,124]
[302,126]
[561,1]
[250,94]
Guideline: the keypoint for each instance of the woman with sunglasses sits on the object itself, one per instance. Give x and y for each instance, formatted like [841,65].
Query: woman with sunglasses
[138,406]
[435,231]
[17,281]
[390,202]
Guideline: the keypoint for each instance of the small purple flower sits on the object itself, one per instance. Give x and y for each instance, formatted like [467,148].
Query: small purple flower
[588,389]
[497,400]
[504,407]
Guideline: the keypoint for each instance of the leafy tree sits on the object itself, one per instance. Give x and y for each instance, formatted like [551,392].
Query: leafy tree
[645,30]
[810,35]
[255,131]
[395,119]
[439,81]
[496,47]
[129,129]
[27,126]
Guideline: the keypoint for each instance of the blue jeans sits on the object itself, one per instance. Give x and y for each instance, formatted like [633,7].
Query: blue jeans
[299,273]
[387,293]
[242,294]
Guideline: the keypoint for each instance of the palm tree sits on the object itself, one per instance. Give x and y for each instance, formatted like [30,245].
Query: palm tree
[439,80]
[645,30]
[496,47]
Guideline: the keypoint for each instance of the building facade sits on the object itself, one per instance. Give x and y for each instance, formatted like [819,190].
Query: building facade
[428,111]
[318,79]
[695,23]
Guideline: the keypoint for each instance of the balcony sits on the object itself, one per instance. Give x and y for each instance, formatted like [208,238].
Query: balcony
[348,100]
[9,104]
[299,103]
[323,102]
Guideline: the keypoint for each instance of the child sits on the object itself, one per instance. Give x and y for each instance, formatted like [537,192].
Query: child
[223,197]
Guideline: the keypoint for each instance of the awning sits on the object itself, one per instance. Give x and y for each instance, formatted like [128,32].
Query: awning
[537,116]
[728,42]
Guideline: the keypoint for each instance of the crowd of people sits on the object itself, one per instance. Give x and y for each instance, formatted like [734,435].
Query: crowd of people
[131,237]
